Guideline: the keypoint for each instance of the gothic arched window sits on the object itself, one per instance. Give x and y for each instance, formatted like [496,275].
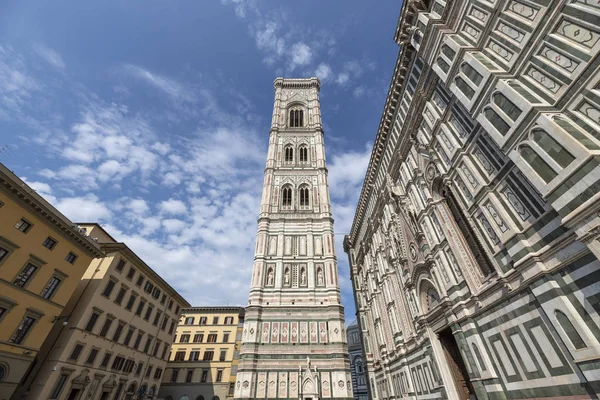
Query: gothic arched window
[296,118]
[467,231]
[551,147]
[508,107]
[569,329]
[538,164]
[286,197]
[304,196]
[303,154]
[289,154]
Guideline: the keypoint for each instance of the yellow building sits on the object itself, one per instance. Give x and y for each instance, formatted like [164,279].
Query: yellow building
[116,337]
[203,360]
[43,256]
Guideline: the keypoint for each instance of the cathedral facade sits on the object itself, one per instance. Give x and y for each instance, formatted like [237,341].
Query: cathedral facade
[294,341]
[474,248]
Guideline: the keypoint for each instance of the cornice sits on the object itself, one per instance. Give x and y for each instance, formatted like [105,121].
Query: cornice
[297,83]
[45,211]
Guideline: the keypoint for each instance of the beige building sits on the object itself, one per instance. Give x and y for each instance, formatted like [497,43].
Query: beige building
[204,356]
[43,256]
[114,341]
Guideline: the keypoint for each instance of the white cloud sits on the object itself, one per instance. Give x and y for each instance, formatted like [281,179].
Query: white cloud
[342,78]
[86,208]
[323,71]
[268,40]
[301,54]
[173,206]
[358,91]
[50,56]
[173,225]
[240,6]
[169,86]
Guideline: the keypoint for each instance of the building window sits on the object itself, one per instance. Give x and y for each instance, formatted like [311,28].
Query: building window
[228,320]
[3,253]
[140,308]
[92,356]
[76,352]
[304,197]
[208,355]
[508,107]
[225,337]
[212,338]
[179,356]
[177,310]
[174,375]
[496,121]
[130,302]
[219,375]
[129,335]
[296,118]
[118,363]
[303,154]
[172,327]
[148,287]
[286,197]
[139,368]
[198,338]
[164,352]
[109,288]
[118,331]
[537,163]
[470,72]
[105,360]
[58,387]
[148,313]
[215,320]
[138,340]
[140,280]
[22,330]
[25,275]
[157,318]
[464,87]
[71,257]
[158,373]
[551,147]
[568,328]
[231,389]
[148,343]
[223,355]
[204,375]
[202,320]
[189,321]
[164,323]
[170,304]
[106,327]
[156,292]
[23,225]
[120,295]
[188,377]
[92,321]
[49,243]
[185,338]
[51,287]
[163,299]
[156,347]
[130,273]
[289,154]
[194,355]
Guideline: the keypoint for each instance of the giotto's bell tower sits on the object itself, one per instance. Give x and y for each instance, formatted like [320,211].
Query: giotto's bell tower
[294,340]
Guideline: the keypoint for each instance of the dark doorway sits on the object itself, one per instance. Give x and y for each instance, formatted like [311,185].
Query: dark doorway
[456,365]
[74,395]
[104,395]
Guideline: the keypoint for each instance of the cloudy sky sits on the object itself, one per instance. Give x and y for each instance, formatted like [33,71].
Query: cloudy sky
[152,118]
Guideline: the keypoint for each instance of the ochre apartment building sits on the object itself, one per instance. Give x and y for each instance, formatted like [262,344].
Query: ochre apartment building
[43,256]
[116,338]
[205,354]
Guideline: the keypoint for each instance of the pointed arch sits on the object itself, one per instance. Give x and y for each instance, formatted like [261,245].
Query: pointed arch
[303,154]
[569,330]
[288,154]
[428,296]
[304,197]
[286,197]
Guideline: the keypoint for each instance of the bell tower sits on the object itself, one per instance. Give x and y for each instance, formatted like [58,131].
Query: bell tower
[294,340]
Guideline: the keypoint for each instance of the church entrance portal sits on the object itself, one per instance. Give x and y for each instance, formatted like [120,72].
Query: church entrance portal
[456,365]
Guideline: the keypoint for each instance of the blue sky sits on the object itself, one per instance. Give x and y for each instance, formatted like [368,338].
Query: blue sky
[152,117]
